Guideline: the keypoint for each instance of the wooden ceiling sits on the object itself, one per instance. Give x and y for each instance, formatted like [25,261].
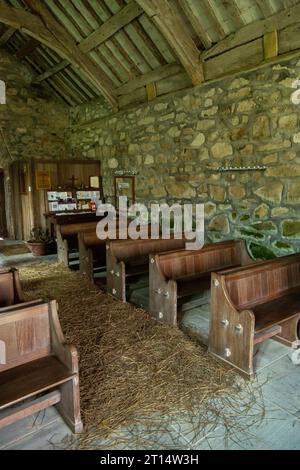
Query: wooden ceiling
[84,49]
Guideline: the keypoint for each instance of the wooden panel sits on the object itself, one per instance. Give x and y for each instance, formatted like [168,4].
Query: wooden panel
[289,39]
[235,60]
[82,173]
[8,417]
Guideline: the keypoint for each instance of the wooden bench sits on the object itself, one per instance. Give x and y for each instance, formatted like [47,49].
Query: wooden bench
[127,259]
[67,230]
[37,368]
[10,288]
[92,250]
[177,275]
[252,304]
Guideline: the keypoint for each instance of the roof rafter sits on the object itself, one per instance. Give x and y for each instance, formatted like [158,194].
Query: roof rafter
[172,27]
[7,35]
[102,34]
[42,26]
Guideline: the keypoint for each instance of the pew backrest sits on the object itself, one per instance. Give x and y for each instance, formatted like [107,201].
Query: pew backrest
[176,264]
[25,334]
[139,250]
[261,283]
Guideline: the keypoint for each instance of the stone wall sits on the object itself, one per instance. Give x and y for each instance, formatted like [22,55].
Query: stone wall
[177,144]
[32,122]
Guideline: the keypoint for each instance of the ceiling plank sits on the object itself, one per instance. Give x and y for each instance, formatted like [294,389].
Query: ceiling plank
[255,30]
[7,35]
[43,27]
[209,8]
[172,27]
[27,49]
[103,33]
[49,73]
[234,13]
[111,26]
[196,23]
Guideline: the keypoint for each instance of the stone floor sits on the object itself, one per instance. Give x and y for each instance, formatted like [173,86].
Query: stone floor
[272,422]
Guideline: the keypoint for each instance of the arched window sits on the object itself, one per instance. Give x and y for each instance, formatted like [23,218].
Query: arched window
[2,352]
[2,92]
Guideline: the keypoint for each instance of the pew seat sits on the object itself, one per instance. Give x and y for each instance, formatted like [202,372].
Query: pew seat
[41,375]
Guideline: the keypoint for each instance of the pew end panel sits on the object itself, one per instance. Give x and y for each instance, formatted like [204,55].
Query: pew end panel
[92,253]
[163,294]
[62,247]
[36,365]
[115,274]
[86,263]
[10,288]
[231,333]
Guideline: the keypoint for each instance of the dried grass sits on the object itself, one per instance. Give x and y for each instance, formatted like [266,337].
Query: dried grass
[133,371]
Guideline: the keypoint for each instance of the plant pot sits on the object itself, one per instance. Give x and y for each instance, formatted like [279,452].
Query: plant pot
[37,248]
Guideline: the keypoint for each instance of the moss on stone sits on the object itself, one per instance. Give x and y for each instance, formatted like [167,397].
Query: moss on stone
[264,226]
[244,217]
[249,233]
[261,251]
[291,228]
[282,245]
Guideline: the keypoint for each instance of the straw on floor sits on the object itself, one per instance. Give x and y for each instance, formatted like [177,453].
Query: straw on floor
[130,366]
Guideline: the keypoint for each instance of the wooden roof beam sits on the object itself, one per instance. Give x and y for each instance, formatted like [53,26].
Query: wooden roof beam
[172,27]
[111,26]
[102,34]
[42,26]
[196,23]
[5,37]
[255,30]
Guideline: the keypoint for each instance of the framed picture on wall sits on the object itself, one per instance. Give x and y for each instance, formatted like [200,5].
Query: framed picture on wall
[43,180]
[94,182]
[124,186]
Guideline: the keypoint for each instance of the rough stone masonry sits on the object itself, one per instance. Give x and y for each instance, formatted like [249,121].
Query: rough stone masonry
[176,144]
[32,122]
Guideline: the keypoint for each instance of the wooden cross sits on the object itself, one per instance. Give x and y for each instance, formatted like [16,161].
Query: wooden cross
[73,179]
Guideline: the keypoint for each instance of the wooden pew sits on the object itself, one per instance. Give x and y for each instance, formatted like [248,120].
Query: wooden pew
[92,250]
[92,253]
[252,304]
[177,275]
[35,361]
[67,238]
[127,259]
[10,288]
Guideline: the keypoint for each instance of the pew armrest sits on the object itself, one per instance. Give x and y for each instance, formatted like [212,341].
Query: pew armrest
[66,353]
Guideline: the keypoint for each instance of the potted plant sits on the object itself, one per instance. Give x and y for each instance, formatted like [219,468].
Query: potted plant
[39,241]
